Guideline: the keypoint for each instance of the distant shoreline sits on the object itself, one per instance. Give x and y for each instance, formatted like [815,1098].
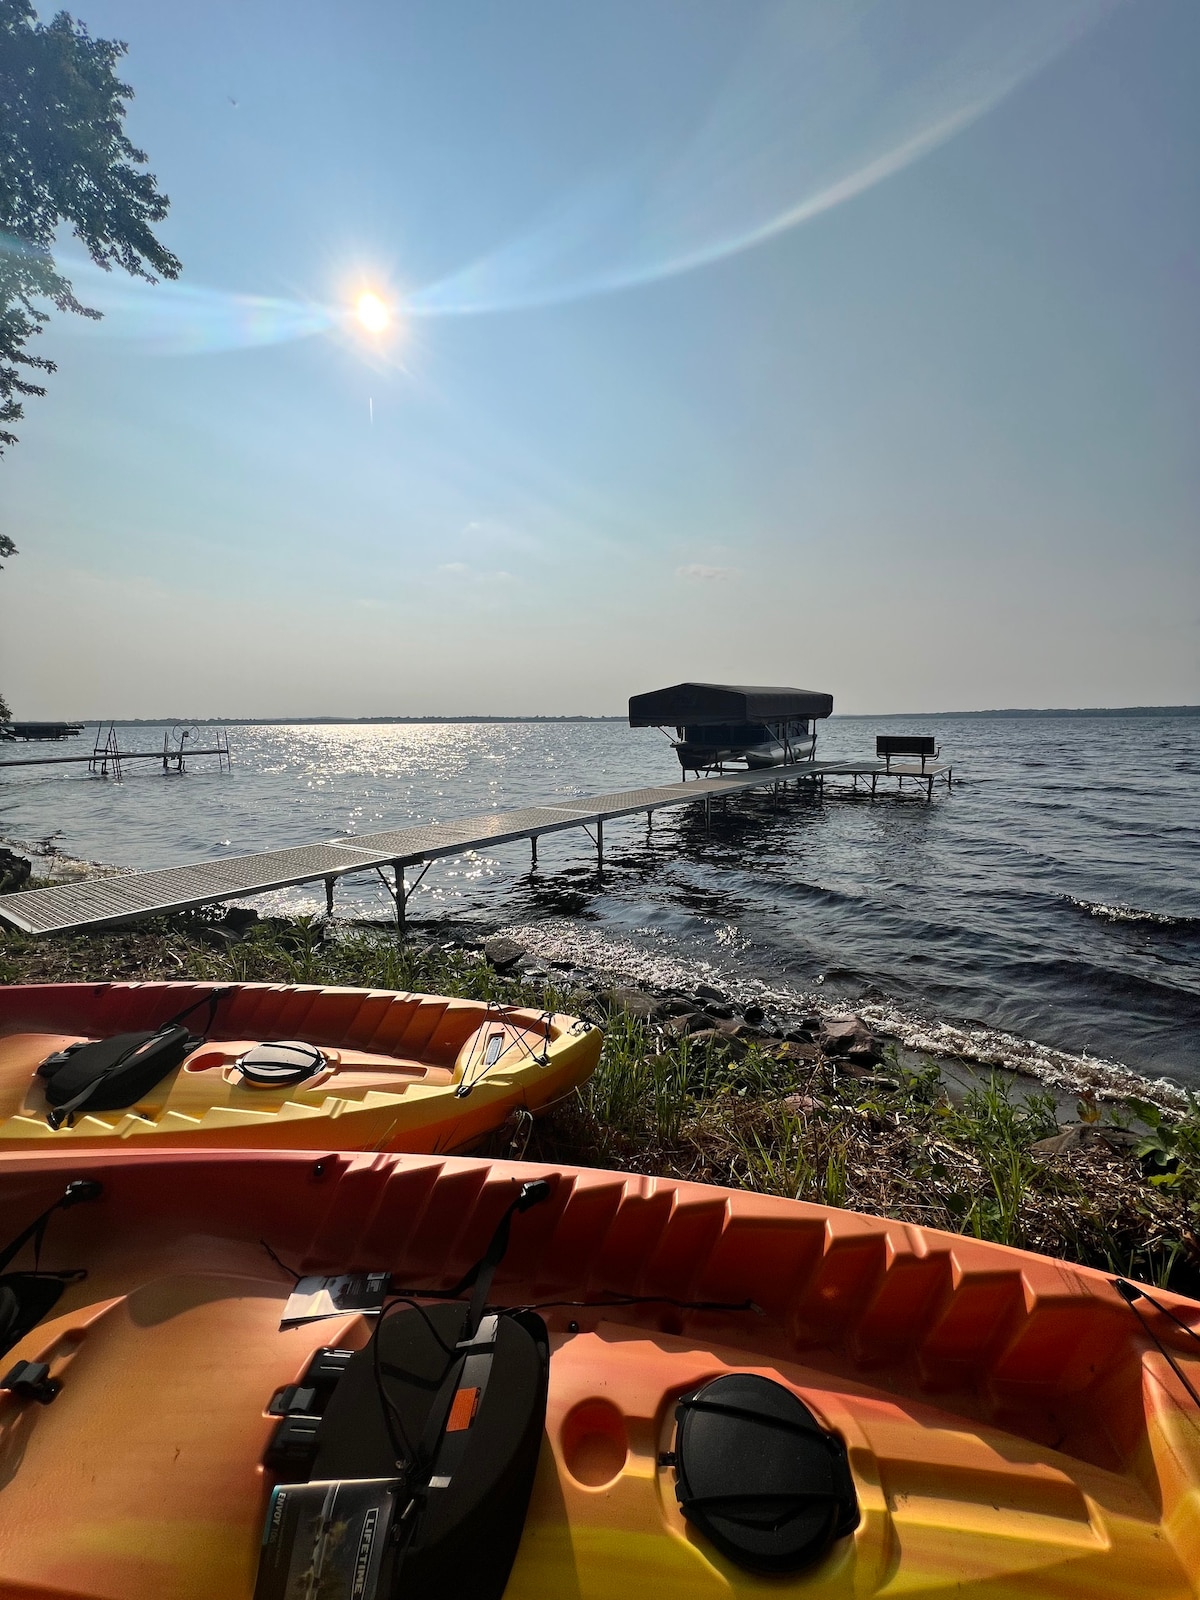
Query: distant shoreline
[849,716]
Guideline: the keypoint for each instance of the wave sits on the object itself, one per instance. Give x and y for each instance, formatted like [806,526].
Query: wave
[1133,916]
[974,1043]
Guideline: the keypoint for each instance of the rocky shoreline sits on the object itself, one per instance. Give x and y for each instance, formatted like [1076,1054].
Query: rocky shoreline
[965,1052]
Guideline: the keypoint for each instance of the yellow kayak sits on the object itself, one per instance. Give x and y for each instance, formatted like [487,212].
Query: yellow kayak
[84,1064]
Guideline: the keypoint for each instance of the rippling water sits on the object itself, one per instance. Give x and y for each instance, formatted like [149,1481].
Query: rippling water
[1053,896]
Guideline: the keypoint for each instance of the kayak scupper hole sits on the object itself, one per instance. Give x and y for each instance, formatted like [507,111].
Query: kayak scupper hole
[595,1444]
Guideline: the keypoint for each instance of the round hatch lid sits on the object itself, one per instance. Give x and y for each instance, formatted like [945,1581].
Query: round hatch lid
[279,1066]
[759,1476]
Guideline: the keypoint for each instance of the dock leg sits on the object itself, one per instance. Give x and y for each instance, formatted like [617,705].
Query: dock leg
[401,900]
[532,851]
[929,788]
[708,811]
[329,882]
[874,780]
[600,844]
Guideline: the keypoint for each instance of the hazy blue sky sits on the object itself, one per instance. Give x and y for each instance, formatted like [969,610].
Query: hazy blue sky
[843,343]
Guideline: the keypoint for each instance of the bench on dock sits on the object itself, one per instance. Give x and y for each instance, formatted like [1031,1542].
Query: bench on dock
[888,745]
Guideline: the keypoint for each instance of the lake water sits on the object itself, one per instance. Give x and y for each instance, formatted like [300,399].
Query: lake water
[1052,899]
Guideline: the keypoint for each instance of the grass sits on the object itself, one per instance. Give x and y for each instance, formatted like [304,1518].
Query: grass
[774,1119]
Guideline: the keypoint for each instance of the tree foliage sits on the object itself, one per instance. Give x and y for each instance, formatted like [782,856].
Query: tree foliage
[64,160]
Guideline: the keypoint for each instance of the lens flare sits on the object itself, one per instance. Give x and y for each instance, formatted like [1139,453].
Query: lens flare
[372,312]
[820,104]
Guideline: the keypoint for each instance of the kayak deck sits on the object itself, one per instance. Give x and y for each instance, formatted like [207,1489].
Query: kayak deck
[1011,1430]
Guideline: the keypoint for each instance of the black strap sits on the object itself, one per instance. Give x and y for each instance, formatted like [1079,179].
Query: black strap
[479,1279]
[438,1452]
[212,999]
[1131,1293]
[473,1347]
[81,1189]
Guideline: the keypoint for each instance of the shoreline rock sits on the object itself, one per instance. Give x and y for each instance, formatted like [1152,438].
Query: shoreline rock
[15,871]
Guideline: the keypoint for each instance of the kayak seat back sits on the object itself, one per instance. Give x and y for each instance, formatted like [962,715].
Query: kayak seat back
[466,1426]
[25,1298]
[112,1074]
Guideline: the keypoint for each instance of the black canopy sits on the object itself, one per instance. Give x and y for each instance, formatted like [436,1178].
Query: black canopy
[695,704]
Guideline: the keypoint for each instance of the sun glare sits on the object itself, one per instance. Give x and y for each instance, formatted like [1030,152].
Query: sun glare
[372,312]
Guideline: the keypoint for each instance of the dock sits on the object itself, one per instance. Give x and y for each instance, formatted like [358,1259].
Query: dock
[107,754]
[172,761]
[134,896]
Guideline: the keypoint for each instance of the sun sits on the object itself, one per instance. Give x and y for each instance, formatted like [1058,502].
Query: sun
[372,312]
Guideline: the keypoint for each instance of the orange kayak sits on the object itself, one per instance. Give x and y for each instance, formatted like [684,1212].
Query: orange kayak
[677,1391]
[271,1065]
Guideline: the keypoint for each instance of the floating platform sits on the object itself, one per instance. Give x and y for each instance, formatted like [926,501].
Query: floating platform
[133,896]
[39,730]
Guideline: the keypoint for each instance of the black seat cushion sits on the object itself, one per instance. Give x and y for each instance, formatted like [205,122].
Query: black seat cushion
[467,1537]
[119,1071]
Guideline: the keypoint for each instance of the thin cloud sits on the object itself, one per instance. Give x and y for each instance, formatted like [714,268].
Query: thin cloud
[490,531]
[460,569]
[697,572]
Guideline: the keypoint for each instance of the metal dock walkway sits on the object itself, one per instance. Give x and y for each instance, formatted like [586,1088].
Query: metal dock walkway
[129,897]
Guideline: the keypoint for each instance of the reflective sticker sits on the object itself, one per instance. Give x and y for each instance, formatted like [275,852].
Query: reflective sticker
[463,1409]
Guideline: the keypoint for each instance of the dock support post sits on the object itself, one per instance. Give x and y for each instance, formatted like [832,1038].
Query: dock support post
[533,838]
[600,844]
[708,811]
[401,899]
[874,780]
[329,882]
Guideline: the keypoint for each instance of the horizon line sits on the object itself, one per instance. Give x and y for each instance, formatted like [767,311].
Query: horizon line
[483,716]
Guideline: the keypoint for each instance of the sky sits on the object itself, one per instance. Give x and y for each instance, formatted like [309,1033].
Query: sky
[844,344]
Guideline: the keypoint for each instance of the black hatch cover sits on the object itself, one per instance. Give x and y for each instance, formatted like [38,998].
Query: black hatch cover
[759,1476]
[279,1066]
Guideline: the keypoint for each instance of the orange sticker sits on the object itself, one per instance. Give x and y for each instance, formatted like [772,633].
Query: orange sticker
[463,1409]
